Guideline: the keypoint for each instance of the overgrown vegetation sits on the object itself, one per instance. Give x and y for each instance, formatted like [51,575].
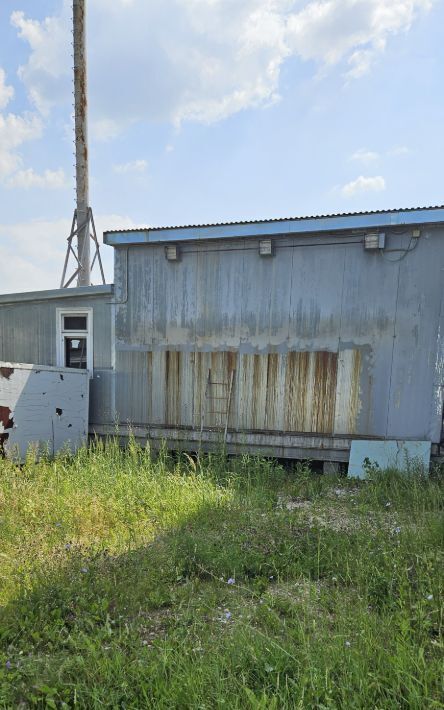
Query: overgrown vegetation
[129,580]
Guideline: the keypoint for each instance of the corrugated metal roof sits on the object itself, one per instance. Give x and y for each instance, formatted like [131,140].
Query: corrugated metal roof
[273,219]
[318,223]
[86,291]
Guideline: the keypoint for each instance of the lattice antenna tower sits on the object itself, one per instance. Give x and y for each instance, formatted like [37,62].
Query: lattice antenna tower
[83,227]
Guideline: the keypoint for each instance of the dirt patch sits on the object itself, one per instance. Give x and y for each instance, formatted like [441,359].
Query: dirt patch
[290,504]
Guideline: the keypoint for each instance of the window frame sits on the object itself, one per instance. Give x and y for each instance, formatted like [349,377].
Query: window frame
[62,334]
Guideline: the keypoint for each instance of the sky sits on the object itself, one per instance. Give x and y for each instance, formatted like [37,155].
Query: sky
[214,110]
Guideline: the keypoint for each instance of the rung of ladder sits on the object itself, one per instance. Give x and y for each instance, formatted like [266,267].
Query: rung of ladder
[226,398]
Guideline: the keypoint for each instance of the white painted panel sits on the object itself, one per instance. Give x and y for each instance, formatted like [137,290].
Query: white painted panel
[42,407]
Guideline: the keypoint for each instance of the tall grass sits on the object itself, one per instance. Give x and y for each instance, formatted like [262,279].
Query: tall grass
[132,580]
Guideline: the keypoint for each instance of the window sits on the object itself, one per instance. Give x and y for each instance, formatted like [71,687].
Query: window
[74,338]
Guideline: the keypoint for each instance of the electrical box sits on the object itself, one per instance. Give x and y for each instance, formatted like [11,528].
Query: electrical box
[266,247]
[172,252]
[374,241]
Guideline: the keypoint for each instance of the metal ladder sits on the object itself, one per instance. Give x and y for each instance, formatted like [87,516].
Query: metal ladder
[221,410]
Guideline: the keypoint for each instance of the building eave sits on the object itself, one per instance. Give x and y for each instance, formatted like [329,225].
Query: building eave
[56,294]
[301,225]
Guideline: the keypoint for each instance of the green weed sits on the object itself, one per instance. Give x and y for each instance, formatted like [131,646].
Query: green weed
[132,580]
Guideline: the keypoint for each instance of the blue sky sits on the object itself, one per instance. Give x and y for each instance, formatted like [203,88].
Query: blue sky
[213,110]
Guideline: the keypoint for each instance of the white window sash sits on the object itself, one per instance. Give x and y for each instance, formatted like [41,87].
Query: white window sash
[61,334]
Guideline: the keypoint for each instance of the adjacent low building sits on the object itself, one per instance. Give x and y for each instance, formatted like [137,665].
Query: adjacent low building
[287,337]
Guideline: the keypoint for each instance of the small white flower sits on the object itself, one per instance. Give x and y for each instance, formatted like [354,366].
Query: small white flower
[334,579]
[388,504]
[430,597]
[84,570]
[231,581]
[347,644]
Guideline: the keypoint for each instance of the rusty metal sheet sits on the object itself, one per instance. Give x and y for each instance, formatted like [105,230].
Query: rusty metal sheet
[348,392]
[43,407]
[294,392]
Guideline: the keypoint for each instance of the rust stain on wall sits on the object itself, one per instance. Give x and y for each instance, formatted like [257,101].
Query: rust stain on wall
[298,392]
[324,392]
[5,418]
[272,389]
[355,400]
[292,392]
[173,387]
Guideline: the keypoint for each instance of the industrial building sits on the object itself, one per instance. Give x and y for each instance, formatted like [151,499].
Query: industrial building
[289,337]
[314,337]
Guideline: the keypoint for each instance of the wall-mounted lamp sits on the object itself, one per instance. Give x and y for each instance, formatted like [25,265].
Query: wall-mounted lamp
[374,241]
[172,252]
[266,247]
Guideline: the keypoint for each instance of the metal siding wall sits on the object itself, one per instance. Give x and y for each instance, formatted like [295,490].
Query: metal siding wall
[316,297]
[28,335]
[335,302]
[415,346]
[28,330]
[44,407]
[133,387]
[367,322]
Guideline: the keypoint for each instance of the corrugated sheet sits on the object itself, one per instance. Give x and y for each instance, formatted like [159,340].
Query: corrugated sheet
[277,219]
[324,339]
[291,392]
[28,330]
[28,335]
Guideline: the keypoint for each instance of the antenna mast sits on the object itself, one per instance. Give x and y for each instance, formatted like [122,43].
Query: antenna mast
[83,221]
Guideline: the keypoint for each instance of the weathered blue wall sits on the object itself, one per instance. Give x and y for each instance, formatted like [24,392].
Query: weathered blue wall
[28,335]
[379,314]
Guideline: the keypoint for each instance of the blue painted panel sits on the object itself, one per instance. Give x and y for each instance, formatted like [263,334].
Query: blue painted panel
[387,454]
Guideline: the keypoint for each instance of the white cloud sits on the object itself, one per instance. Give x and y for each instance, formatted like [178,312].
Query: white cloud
[14,131]
[6,92]
[363,184]
[356,30]
[364,156]
[32,253]
[50,59]
[202,60]
[134,166]
[49,179]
